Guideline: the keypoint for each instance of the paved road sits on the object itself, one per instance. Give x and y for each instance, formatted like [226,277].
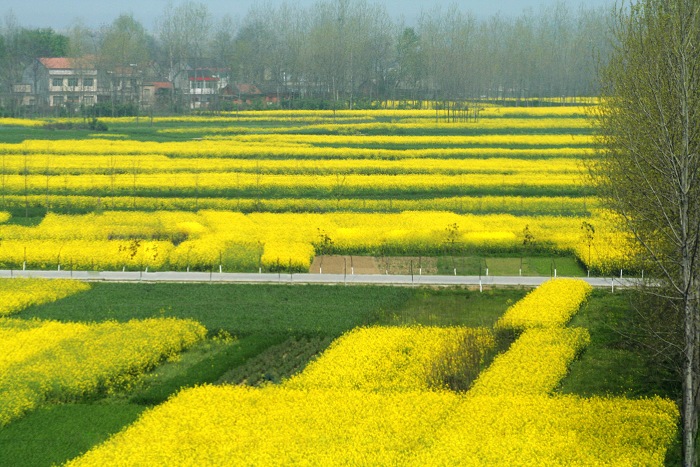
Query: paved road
[377,279]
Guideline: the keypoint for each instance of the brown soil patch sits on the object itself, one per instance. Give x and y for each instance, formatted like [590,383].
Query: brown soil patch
[335,264]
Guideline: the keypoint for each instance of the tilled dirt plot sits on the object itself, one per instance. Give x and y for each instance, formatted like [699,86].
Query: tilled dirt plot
[335,264]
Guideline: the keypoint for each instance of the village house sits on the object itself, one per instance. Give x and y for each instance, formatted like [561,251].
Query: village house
[155,92]
[242,93]
[58,82]
[73,83]
[204,86]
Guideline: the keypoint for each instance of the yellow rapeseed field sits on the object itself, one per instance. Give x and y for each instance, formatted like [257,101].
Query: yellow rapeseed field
[298,173]
[117,239]
[17,294]
[342,410]
[279,426]
[272,189]
[64,361]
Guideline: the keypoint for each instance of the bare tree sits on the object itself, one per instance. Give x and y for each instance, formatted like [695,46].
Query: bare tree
[410,69]
[124,55]
[650,141]
[223,40]
[255,46]
[350,50]
[19,50]
[183,31]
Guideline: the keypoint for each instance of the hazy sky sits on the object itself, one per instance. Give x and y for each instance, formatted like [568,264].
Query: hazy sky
[59,14]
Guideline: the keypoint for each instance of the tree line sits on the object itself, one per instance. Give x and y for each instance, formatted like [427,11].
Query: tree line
[342,53]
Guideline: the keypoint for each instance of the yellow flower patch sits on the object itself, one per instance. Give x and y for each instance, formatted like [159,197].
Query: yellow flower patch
[395,358]
[18,294]
[552,304]
[56,361]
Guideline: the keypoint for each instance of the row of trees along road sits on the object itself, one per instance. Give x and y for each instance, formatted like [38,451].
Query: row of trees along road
[344,51]
[649,126]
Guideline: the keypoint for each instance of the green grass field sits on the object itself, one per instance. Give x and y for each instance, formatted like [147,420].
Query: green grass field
[565,266]
[57,433]
[241,309]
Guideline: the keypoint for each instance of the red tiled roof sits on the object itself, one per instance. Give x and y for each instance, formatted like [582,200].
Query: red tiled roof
[64,63]
[248,89]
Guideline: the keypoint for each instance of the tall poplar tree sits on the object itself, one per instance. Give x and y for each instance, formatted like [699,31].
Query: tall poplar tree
[649,134]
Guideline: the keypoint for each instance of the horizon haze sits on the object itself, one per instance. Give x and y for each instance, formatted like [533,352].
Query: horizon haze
[95,13]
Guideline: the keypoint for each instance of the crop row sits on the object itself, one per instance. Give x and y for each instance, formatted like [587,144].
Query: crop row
[179,240]
[485,121]
[533,146]
[55,361]
[517,205]
[38,164]
[550,305]
[222,184]
[313,116]
[407,142]
[412,126]
[391,134]
[427,110]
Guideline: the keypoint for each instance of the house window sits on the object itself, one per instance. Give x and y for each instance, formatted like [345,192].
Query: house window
[73,99]
[72,82]
[57,100]
[88,82]
[57,82]
[89,100]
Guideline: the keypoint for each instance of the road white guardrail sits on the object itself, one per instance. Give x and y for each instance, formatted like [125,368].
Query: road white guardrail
[305,278]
